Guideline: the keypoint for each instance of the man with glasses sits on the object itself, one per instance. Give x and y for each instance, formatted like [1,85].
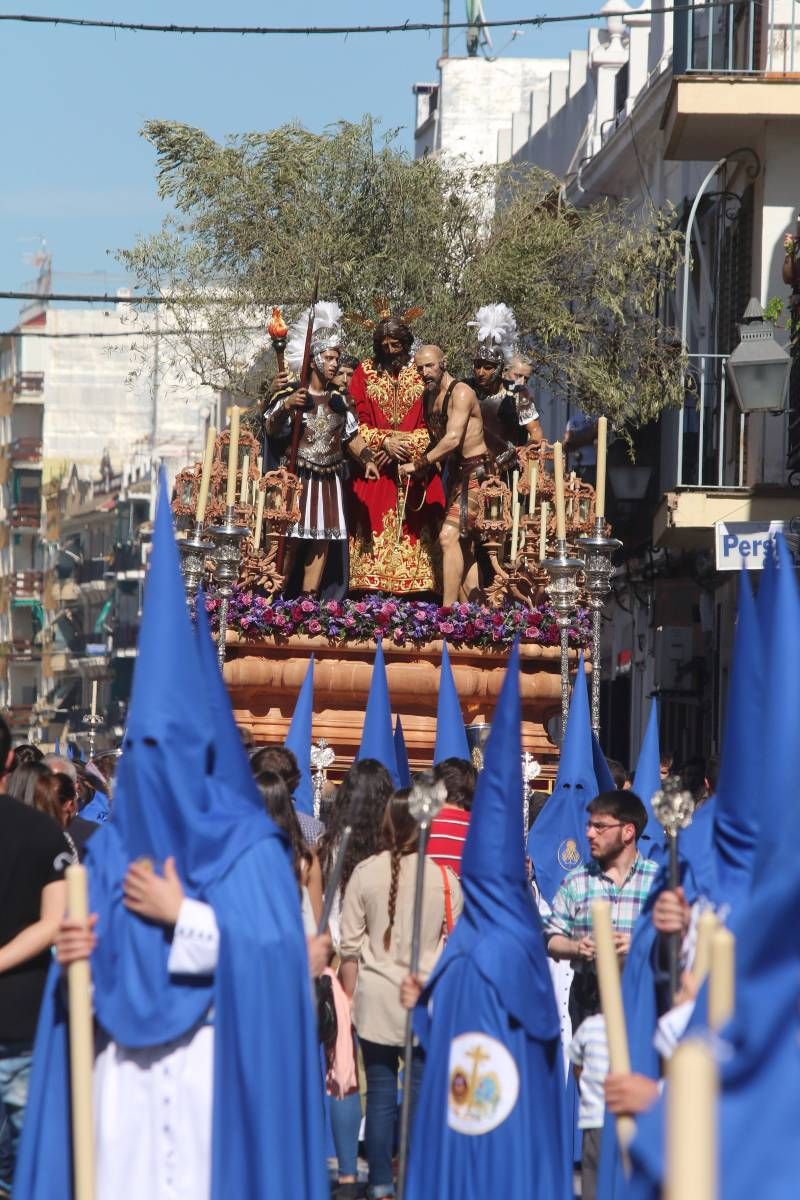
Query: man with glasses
[617,873]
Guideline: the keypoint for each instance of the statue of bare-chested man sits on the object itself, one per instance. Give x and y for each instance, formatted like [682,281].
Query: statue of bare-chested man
[455,422]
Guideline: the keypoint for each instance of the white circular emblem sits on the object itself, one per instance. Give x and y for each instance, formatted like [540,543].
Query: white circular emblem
[483,1084]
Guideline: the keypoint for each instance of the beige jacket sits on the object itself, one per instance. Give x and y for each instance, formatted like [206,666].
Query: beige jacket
[377,1012]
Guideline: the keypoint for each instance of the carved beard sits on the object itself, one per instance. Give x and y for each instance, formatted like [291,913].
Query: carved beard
[393,363]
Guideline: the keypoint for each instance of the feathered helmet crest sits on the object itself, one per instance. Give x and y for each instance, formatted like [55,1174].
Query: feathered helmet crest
[326,335]
[497,332]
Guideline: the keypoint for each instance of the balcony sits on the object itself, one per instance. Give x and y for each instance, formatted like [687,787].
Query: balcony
[707,484]
[26,584]
[29,384]
[25,516]
[126,561]
[92,570]
[25,450]
[124,640]
[734,66]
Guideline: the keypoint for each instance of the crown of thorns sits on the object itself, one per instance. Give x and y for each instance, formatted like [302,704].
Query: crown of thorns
[384,312]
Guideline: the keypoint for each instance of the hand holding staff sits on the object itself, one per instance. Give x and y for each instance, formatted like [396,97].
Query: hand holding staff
[81,1045]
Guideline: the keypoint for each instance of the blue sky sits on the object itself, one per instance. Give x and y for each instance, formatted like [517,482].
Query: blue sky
[75,170]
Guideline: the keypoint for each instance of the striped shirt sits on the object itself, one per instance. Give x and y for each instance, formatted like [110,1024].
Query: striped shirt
[589,1051]
[572,904]
[448,834]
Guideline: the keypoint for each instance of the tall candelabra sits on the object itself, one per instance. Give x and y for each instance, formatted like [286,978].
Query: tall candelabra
[673,808]
[562,588]
[226,555]
[322,756]
[425,801]
[598,570]
[93,721]
[194,551]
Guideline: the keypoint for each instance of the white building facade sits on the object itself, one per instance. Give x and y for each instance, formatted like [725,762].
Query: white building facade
[655,109]
[74,403]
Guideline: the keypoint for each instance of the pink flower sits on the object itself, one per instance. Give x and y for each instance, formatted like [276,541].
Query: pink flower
[349,622]
[399,636]
[314,627]
[531,631]
[360,607]
[446,627]
[497,619]
[307,606]
[281,620]
[388,609]
[333,607]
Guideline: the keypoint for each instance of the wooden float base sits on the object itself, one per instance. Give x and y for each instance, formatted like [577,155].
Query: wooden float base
[265,677]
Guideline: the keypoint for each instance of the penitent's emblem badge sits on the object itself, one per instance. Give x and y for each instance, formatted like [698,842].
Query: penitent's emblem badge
[569,856]
[483,1084]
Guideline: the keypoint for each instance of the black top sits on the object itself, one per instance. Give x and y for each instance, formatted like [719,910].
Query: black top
[33,853]
[80,830]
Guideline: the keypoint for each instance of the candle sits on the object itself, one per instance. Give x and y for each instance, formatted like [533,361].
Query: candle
[94,697]
[259,518]
[691,1123]
[259,464]
[571,508]
[244,495]
[706,926]
[611,1001]
[233,458]
[543,531]
[81,1045]
[721,977]
[533,482]
[600,490]
[514,515]
[558,475]
[205,478]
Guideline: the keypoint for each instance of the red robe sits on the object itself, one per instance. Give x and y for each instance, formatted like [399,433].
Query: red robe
[379,560]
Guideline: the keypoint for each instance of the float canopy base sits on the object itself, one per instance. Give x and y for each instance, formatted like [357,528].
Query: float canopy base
[265,677]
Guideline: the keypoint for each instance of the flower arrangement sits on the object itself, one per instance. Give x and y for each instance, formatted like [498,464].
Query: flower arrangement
[399,622]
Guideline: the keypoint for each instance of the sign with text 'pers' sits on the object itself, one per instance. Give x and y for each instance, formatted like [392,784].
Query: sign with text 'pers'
[743,543]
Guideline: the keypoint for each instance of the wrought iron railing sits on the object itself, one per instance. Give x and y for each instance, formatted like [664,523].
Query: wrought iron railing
[711,430]
[744,37]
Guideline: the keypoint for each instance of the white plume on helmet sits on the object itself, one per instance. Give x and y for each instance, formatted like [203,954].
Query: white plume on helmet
[327,334]
[497,329]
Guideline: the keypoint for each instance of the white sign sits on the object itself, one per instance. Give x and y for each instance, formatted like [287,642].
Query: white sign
[744,543]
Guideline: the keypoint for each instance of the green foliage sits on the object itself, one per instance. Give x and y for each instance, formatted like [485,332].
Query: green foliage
[256,217]
[773,310]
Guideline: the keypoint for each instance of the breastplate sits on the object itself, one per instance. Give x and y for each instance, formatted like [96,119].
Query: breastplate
[493,418]
[321,441]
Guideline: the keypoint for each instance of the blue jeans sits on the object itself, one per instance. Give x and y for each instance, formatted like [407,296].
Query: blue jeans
[381,1065]
[345,1124]
[15,1070]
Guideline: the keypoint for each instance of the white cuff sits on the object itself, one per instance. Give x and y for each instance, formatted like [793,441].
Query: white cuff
[195,942]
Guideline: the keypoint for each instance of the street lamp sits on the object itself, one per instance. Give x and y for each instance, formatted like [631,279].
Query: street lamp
[758,369]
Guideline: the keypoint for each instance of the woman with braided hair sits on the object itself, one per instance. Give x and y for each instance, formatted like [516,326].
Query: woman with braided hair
[376,924]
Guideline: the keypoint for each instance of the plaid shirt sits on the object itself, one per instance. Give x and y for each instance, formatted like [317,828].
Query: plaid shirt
[572,905]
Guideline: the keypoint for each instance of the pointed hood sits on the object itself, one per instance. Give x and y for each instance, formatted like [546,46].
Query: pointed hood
[164,805]
[377,740]
[647,779]
[557,842]
[401,755]
[498,903]
[451,737]
[231,764]
[602,771]
[741,777]
[298,740]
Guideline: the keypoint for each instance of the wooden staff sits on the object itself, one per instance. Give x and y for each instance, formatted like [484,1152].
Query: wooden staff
[721,977]
[81,1045]
[613,1011]
[691,1133]
[706,927]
